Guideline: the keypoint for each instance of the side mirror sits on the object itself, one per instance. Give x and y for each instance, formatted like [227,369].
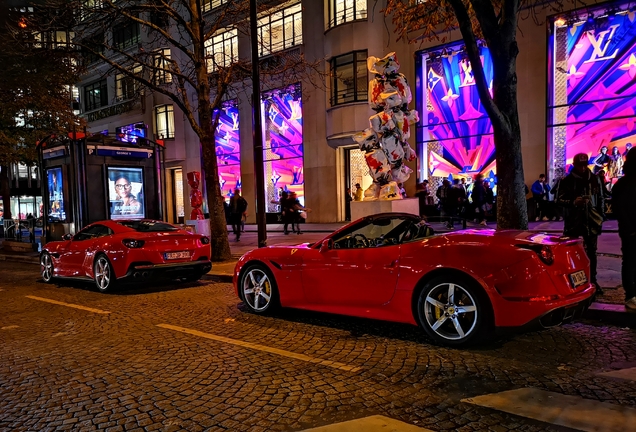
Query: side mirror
[67,237]
[326,245]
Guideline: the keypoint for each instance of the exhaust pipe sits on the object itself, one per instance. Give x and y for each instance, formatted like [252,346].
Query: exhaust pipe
[136,274]
[145,274]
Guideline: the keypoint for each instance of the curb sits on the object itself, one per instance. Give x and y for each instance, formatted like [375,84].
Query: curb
[611,313]
[20,258]
[218,277]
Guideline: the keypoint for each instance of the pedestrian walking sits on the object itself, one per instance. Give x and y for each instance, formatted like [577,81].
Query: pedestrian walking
[624,207]
[540,194]
[581,196]
[238,207]
[443,194]
[479,199]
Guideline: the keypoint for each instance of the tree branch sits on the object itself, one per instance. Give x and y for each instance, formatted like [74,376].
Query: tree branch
[465,26]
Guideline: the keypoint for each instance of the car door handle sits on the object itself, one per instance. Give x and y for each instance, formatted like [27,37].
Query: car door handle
[391,265]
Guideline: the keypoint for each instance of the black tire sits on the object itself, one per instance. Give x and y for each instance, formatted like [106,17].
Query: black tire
[258,289]
[46,267]
[458,321]
[103,273]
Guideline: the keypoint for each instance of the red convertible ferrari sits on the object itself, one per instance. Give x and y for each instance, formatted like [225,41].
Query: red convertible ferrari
[110,252]
[458,286]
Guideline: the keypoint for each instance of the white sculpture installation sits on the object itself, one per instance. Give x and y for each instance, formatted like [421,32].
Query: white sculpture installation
[385,141]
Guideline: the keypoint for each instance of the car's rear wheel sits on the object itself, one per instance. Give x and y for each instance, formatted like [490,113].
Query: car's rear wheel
[103,273]
[46,267]
[258,289]
[452,310]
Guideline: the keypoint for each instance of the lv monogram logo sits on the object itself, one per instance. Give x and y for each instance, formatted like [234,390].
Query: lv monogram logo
[600,43]
[468,79]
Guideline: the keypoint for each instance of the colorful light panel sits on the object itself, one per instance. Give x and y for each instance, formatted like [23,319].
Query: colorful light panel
[228,149]
[456,128]
[592,91]
[283,151]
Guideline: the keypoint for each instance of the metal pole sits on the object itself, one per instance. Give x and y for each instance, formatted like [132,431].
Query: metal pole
[257,133]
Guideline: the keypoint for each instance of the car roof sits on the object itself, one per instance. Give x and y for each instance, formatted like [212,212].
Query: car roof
[116,225]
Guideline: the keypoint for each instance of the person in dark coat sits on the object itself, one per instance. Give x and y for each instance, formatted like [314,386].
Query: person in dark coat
[581,196]
[624,207]
[479,199]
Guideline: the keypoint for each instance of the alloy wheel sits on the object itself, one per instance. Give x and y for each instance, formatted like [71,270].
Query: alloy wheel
[103,273]
[46,267]
[451,311]
[257,290]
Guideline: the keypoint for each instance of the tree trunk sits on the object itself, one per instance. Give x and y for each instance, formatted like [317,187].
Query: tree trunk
[5,191]
[512,212]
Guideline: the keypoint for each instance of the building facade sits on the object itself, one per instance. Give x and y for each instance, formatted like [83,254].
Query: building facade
[575,82]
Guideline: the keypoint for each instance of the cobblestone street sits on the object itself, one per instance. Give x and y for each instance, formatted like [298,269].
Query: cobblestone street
[187,357]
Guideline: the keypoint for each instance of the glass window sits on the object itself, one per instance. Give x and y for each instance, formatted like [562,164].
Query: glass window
[164,120]
[92,232]
[208,5]
[162,66]
[283,152]
[377,232]
[281,30]
[95,95]
[343,11]
[222,49]
[126,86]
[228,149]
[591,82]
[93,47]
[349,78]
[23,171]
[126,35]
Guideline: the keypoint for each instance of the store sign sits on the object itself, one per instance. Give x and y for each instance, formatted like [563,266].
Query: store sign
[125,152]
[53,153]
[110,111]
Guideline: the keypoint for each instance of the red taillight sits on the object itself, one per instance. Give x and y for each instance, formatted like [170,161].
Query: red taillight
[544,252]
[132,243]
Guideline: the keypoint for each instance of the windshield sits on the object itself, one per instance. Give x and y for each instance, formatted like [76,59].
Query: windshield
[148,226]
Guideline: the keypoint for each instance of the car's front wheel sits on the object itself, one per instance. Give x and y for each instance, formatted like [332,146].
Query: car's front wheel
[103,273]
[46,267]
[258,289]
[452,311]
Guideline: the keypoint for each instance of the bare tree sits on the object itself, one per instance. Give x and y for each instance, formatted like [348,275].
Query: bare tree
[496,22]
[194,77]
[38,69]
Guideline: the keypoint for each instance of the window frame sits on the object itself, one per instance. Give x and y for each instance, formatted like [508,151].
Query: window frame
[126,35]
[222,43]
[161,63]
[168,111]
[90,102]
[348,5]
[126,86]
[269,22]
[208,5]
[359,95]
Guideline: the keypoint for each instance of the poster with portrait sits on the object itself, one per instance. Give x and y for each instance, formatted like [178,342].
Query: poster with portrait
[55,182]
[126,193]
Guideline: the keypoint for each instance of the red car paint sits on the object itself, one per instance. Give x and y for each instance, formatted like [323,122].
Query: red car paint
[380,282]
[74,257]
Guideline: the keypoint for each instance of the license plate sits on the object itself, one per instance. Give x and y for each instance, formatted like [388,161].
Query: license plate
[578,278]
[177,255]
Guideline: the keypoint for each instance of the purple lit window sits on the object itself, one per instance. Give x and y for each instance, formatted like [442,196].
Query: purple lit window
[592,95]
[283,150]
[455,138]
[228,149]
[131,132]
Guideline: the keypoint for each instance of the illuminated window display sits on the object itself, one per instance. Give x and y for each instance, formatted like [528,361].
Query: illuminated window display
[283,150]
[57,204]
[125,193]
[228,149]
[592,67]
[131,132]
[455,138]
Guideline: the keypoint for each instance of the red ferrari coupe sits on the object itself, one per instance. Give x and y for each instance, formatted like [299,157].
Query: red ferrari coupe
[458,286]
[110,252]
